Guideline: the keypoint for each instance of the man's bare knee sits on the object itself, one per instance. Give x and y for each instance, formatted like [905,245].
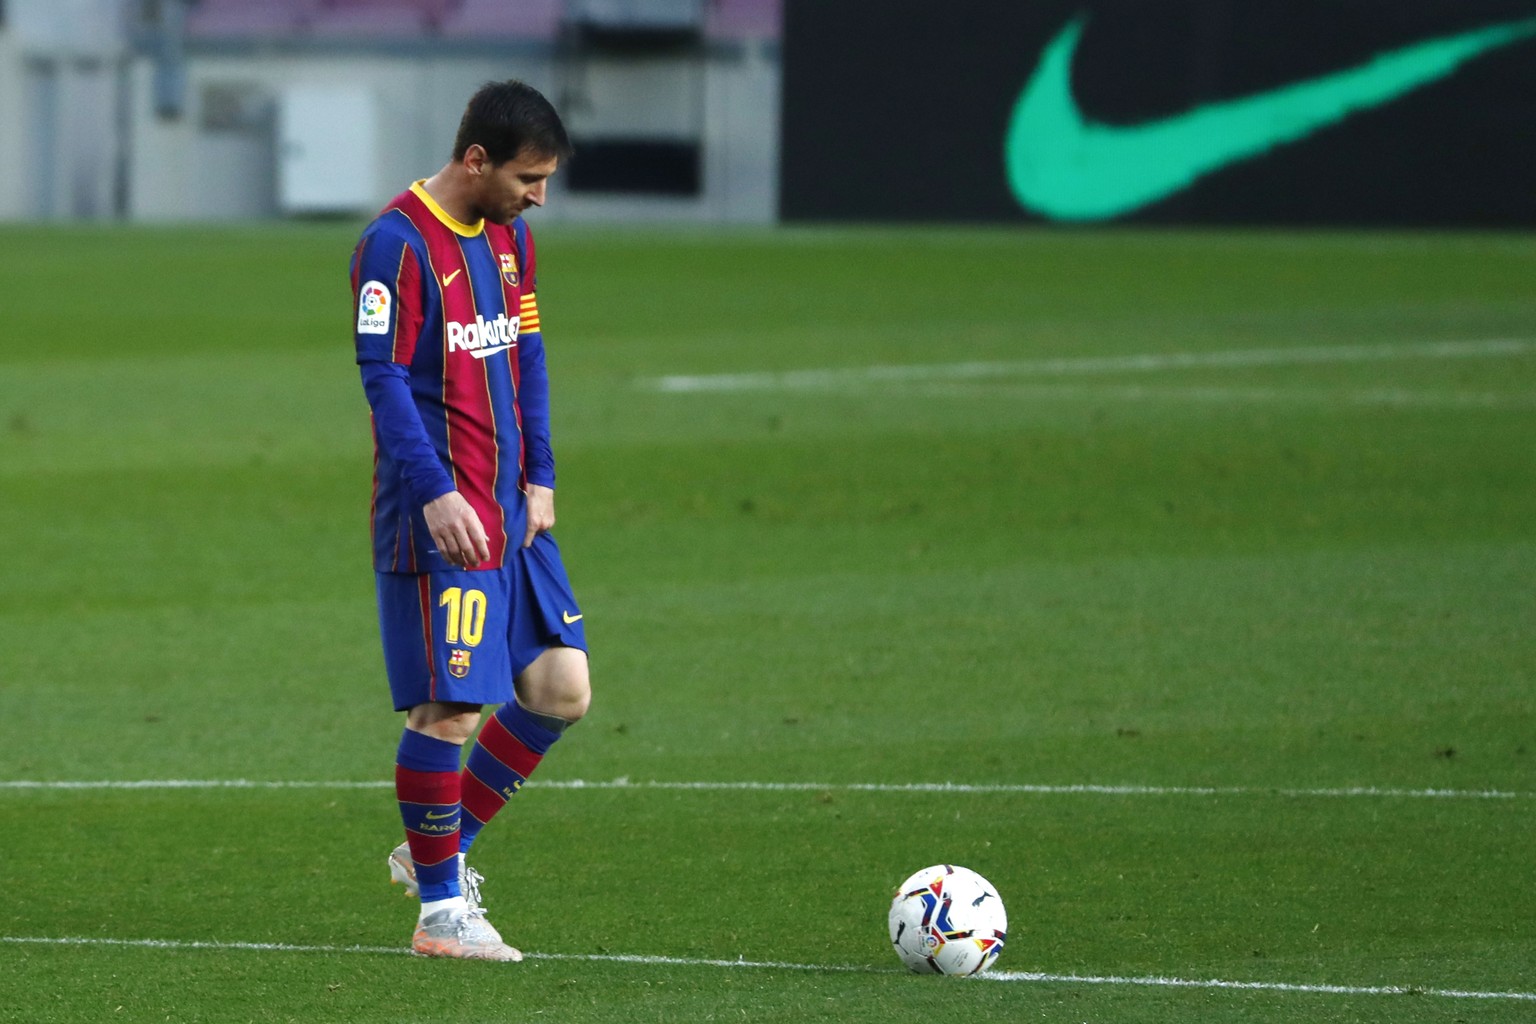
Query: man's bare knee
[557,684]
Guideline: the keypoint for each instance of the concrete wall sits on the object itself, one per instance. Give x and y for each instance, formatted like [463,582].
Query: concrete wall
[85,132]
[736,105]
[13,116]
[219,159]
[61,145]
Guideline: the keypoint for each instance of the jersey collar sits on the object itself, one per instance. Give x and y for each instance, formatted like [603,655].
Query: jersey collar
[458,227]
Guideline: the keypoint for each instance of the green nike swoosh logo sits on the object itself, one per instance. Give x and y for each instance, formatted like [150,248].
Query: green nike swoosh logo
[1066,167]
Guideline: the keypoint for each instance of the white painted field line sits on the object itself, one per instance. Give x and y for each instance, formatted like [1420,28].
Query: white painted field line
[797,380]
[1255,986]
[1390,397]
[1076,789]
[286,947]
[1049,790]
[774,965]
[193,944]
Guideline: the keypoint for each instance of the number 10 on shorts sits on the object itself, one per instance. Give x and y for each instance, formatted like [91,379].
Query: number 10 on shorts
[466,615]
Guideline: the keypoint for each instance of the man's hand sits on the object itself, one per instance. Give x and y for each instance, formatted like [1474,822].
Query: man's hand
[457,530]
[541,511]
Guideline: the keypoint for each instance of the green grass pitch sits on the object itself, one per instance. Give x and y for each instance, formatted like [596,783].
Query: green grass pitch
[1236,527]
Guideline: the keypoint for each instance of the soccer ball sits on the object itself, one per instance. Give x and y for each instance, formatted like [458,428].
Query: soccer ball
[948,920]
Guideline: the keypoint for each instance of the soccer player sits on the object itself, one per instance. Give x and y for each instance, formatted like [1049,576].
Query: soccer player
[474,604]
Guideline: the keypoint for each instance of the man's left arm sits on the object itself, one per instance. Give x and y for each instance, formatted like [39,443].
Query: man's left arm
[538,458]
[533,404]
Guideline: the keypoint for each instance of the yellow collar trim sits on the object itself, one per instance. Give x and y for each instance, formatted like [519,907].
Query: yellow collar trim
[458,227]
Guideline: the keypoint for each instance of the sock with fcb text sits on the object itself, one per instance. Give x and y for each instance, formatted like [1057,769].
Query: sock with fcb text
[427,786]
[510,746]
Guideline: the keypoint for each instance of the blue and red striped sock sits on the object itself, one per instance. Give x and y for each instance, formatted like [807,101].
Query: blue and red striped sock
[510,746]
[427,786]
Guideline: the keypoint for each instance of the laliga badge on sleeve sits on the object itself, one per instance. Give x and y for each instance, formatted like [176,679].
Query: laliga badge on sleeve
[373,302]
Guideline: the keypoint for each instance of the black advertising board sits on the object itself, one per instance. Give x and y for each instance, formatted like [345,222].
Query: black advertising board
[1303,112]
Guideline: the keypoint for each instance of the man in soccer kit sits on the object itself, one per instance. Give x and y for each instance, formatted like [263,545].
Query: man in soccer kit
[474,604]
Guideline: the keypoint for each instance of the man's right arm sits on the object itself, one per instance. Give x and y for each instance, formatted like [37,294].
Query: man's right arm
[453,523]
[387,296]
[400,432]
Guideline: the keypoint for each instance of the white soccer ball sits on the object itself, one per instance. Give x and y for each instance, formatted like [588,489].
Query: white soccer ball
[948,920]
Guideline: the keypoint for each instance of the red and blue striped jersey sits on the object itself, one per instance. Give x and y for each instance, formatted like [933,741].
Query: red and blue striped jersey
[452,358]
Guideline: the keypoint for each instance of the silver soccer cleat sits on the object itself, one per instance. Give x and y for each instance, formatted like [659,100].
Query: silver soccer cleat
[463,935]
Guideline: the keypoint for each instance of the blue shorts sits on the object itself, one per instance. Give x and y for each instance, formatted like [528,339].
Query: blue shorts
[463,635]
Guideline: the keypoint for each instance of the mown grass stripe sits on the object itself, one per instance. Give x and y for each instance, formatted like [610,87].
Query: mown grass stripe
[1073,789]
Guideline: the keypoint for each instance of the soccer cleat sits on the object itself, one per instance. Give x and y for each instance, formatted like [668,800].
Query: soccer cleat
[462,935]
[402,871]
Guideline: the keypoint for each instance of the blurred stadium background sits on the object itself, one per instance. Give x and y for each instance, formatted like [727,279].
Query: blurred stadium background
[153,110]
[740,111]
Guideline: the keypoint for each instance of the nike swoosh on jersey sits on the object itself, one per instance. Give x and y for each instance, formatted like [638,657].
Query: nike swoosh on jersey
[448,278]
[1067,167]
[481,353]
[569,618]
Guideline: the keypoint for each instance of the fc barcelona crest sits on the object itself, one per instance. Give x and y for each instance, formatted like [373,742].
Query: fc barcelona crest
[508,267]
[458,664]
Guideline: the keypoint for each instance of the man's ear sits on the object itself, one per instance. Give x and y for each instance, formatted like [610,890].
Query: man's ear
[476,160]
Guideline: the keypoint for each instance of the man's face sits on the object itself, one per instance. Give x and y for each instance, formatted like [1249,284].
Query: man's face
[506,190]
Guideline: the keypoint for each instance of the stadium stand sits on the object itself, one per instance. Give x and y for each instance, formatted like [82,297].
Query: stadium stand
[213,19]
[744,19]
[449,19]
[375,18]
[528,19]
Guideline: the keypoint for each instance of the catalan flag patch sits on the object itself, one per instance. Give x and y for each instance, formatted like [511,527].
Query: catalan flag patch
[529,313]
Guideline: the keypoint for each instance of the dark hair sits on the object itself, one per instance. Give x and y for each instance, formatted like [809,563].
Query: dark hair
[506,118]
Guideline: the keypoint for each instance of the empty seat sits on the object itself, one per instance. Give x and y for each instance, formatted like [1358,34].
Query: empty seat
[372,19]
[504,19]
[217,19]
[745,19]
